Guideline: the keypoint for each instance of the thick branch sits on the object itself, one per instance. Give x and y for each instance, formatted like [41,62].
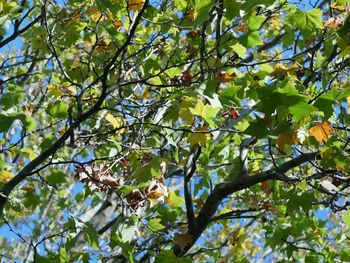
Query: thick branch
[223,190]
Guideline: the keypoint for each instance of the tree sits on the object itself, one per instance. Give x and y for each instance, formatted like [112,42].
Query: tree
[174,131]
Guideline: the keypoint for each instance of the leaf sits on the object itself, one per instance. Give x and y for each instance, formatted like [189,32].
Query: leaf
[56,177]
[254,39]
[135,5]
[174,200]
[199,138]
[307,21]
[6,121]
[116,122]
[225,77]
[90,235]
[300,110]
[281,69]
[265,186]
[335,22]
[239,49]
[155,224]
[254,22]
[340,7]
[287,138]
[32,155]
[5,176]
[117,23]
[168,256]
[58,110]
[321,131]
[348,102]
[183,240]
[206,111]
[346,217]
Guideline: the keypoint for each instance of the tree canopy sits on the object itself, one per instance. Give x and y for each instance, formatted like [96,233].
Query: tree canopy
[174,131]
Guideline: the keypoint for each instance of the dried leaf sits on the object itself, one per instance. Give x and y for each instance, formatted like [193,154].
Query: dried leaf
[183,240]
[335,22]
[266,187]
[99,179]
[155,192]
[225,77]
[287,138]
[321,131]
[135,5]
[186,78]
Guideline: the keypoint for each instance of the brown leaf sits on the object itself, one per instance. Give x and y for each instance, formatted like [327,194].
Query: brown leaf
[117,23]
[321,131]
[99,178]
[335,22]
[186,77]
[225,77]
[266,187]
[183,240]
[287,138]
[135,5]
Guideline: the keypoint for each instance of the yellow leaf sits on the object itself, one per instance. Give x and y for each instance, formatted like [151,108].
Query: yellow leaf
[199,137]
[5,176]
[321,131]
[116,122]
[31,154]
[340,7]
[135,5]
[183,240]
[287,138]
[94,13]
[282,69]
[348,101]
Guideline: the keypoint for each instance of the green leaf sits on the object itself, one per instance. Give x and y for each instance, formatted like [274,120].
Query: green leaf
[346,217]
[307,21]
[254,39]
[254,22]
[6,121]
[56,177]
[301,110]
[90,235]
[175,200]
[239,49]
[167,256]
[155,224]
[58,110]
[232,8]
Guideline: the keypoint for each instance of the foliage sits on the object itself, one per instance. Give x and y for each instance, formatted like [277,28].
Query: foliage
[174,131]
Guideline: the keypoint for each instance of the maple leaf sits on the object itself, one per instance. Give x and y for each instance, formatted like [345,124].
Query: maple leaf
[199,138]
[225,77]
[287,138]
[183,240]
[321,131]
